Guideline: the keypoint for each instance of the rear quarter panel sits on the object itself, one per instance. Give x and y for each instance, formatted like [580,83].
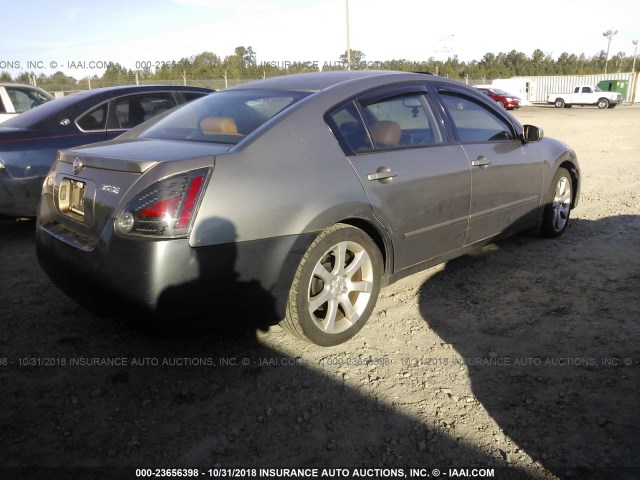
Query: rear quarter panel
[293,179]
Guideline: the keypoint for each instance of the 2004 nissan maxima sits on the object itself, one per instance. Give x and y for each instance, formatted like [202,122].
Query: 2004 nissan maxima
[298,197]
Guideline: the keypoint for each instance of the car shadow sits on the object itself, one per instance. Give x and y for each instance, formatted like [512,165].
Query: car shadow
[84,397]
[548,331]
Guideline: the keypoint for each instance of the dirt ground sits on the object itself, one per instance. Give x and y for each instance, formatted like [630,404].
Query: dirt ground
[521,357]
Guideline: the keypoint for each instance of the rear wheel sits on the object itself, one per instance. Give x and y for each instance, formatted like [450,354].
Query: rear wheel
[559,103]
[335,288]
[558,207]
[603,103]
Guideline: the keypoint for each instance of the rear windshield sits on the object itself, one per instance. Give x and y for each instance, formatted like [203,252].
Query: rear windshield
[223,117]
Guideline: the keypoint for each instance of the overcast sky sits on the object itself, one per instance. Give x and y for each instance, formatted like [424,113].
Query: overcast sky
[302,30]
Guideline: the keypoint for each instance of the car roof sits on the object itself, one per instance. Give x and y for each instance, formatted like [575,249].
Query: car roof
[27,86]
[317,81]
[33,117]
[13,84]
[136,88]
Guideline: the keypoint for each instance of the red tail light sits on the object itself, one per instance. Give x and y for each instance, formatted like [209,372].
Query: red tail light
[165,208]
[162,208]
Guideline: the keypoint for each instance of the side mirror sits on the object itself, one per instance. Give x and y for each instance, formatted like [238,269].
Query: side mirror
[532,134]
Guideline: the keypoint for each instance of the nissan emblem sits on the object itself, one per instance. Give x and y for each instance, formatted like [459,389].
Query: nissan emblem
[77,165]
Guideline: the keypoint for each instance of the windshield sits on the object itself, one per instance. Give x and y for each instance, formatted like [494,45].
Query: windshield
[501,92]
[224,117]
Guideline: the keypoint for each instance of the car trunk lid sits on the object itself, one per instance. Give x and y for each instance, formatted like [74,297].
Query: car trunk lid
[90,185]
[139,155]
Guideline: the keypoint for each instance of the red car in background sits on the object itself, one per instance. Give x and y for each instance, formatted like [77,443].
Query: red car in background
[507,100]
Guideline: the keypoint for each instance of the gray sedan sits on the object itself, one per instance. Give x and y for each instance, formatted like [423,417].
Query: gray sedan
[298,197]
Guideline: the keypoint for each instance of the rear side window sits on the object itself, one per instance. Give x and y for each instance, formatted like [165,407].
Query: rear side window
[474,122]
[132,110]
[401,121]
[188,96]
[395,122]
[93,120]
[349,130]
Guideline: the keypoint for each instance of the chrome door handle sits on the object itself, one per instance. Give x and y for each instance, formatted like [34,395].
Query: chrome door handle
[481,161]
[383,175]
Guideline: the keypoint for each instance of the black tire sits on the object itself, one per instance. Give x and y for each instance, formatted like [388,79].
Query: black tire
[558,205]
[559,103]
[603,103]
[350,287]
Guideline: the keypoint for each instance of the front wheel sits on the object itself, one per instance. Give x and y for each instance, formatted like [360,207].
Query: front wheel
[559,103]
[603,103]
[558,207]
[335,287]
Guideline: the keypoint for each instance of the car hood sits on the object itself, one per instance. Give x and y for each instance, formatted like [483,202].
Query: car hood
[139,155]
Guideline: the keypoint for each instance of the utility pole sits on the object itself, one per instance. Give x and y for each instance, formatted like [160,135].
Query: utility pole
[634,75]
[609,34]
[348,40]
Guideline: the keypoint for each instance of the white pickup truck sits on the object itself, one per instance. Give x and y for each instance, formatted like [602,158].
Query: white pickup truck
[16,98]
[585,95]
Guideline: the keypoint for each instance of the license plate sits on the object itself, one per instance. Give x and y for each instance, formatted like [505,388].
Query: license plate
[71,196]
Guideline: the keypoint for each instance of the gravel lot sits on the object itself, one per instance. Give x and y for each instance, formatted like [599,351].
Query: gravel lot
[521,357]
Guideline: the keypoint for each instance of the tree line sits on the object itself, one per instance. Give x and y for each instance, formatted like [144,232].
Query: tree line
[243,65]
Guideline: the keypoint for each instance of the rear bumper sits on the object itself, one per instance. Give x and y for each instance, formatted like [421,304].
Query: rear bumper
[168,280]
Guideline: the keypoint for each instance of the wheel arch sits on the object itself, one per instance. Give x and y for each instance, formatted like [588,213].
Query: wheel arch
[559,99]
[379,238]
[575,180]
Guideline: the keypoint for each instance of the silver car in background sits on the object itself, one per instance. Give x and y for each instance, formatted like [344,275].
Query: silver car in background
[296,197]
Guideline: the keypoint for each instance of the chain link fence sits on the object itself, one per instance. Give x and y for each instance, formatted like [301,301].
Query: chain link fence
[90,84]
[215,84]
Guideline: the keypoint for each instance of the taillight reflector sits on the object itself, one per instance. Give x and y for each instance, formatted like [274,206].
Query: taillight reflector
[189,202]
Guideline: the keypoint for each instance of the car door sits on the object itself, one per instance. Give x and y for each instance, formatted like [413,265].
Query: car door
[417,183]
[506,175]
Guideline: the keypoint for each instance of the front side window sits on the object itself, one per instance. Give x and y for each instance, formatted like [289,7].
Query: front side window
[474,122]
[224,117]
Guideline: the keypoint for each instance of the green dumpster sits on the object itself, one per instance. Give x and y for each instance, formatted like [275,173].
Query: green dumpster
[620,86]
